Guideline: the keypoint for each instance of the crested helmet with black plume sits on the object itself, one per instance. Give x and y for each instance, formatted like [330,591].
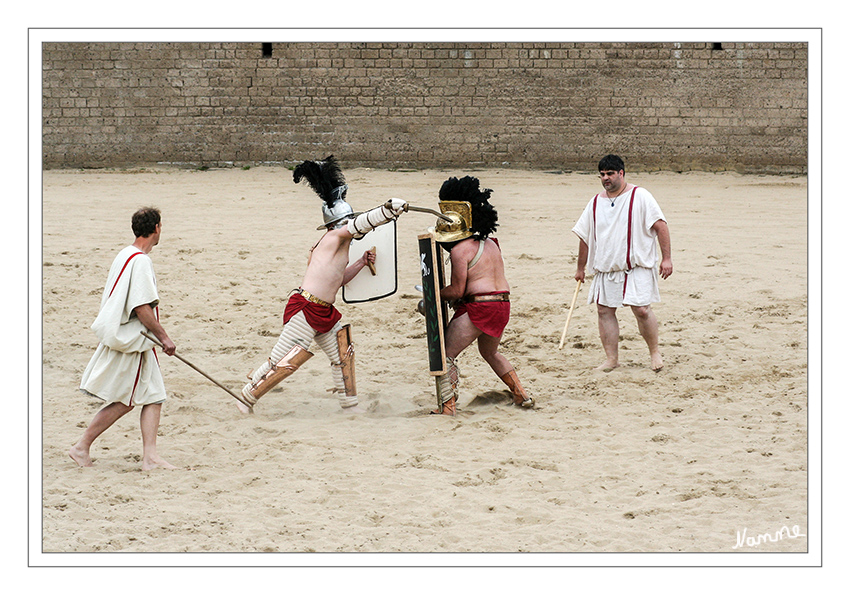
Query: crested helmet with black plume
[468,205]
[326,179]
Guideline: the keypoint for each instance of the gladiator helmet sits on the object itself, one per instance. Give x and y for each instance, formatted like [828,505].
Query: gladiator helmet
[326,179]
[460,213]
[468,206]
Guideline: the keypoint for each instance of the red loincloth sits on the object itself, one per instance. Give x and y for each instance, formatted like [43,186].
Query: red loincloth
[320,318]
[490,318]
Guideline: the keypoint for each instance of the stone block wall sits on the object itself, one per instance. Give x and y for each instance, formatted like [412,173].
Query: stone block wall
[662,106]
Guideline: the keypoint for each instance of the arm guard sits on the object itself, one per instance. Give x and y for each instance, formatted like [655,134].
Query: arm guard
[366,222]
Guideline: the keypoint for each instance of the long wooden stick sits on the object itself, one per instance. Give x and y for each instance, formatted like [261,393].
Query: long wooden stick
[570,315]
[196,368]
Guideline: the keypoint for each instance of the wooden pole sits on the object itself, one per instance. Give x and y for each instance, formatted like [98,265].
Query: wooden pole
[197,369]
[570,315]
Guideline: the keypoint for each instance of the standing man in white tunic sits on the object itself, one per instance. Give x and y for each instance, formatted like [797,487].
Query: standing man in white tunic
[124,370]
[619,234]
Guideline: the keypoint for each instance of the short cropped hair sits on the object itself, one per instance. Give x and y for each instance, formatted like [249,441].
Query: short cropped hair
[145,221]
[611,163]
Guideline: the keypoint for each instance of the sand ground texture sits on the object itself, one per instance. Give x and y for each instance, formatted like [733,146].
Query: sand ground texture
[626,461]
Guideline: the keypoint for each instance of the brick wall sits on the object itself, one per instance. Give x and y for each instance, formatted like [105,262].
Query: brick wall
[667,106]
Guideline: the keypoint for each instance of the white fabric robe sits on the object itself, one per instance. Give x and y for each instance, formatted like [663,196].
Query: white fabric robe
[124,367]
[608,248]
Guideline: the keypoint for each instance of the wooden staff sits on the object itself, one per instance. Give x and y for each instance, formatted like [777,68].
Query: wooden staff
[197,369]
[570,315]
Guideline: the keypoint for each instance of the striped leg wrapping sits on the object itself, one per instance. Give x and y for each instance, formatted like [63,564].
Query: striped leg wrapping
[296,334]
[447,384]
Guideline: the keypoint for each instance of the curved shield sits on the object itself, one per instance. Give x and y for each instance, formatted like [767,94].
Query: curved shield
[365,286]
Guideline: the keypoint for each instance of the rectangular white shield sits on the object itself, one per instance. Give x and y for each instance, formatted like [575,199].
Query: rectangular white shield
[365,287]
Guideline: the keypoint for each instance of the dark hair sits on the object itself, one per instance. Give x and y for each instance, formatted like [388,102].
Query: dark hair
[612,163]
[467,189]
[145,221]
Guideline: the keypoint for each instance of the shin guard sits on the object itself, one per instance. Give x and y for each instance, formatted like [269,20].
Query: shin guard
[277,372]
[346,366]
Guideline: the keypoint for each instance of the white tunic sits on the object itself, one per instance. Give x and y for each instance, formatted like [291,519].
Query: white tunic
[124,367]
[615,248]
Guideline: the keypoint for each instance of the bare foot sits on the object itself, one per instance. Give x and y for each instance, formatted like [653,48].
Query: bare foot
[657,362]
[80,456]
[356,409]
[156,463]
[607,366]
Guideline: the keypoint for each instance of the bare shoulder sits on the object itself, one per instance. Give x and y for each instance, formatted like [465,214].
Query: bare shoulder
[341,234]
[465,250]
[333,238]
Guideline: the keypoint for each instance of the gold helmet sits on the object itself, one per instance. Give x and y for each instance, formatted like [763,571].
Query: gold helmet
[460,213]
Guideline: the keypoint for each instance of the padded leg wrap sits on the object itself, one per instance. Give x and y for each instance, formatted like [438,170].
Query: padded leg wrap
[447,389]
[276,372]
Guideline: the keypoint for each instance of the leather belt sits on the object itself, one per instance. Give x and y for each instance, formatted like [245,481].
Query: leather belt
[312,298]
[498,297]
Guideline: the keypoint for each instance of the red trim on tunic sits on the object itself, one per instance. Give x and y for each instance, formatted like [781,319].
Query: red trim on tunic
[138,373]
[320,318]
[132,256]
[629,241]
[594,217]
[490,318]
[629,230]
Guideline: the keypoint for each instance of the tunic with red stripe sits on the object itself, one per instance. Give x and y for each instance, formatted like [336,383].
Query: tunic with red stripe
[618,232]
[124,367]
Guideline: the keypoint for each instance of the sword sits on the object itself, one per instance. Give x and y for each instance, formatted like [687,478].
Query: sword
[411,207]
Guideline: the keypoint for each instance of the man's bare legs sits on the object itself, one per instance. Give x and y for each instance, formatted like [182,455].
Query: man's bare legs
[488,347]
[102,420]
[149,422]
[609,334]
[459,335]
[648,327]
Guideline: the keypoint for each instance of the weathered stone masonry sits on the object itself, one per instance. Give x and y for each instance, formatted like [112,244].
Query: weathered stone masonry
[663,106]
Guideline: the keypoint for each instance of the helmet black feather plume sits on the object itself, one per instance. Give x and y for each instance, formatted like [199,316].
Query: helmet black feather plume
[324,177]
[468,189]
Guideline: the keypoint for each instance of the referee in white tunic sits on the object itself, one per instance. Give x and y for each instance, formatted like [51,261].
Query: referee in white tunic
[620,231]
